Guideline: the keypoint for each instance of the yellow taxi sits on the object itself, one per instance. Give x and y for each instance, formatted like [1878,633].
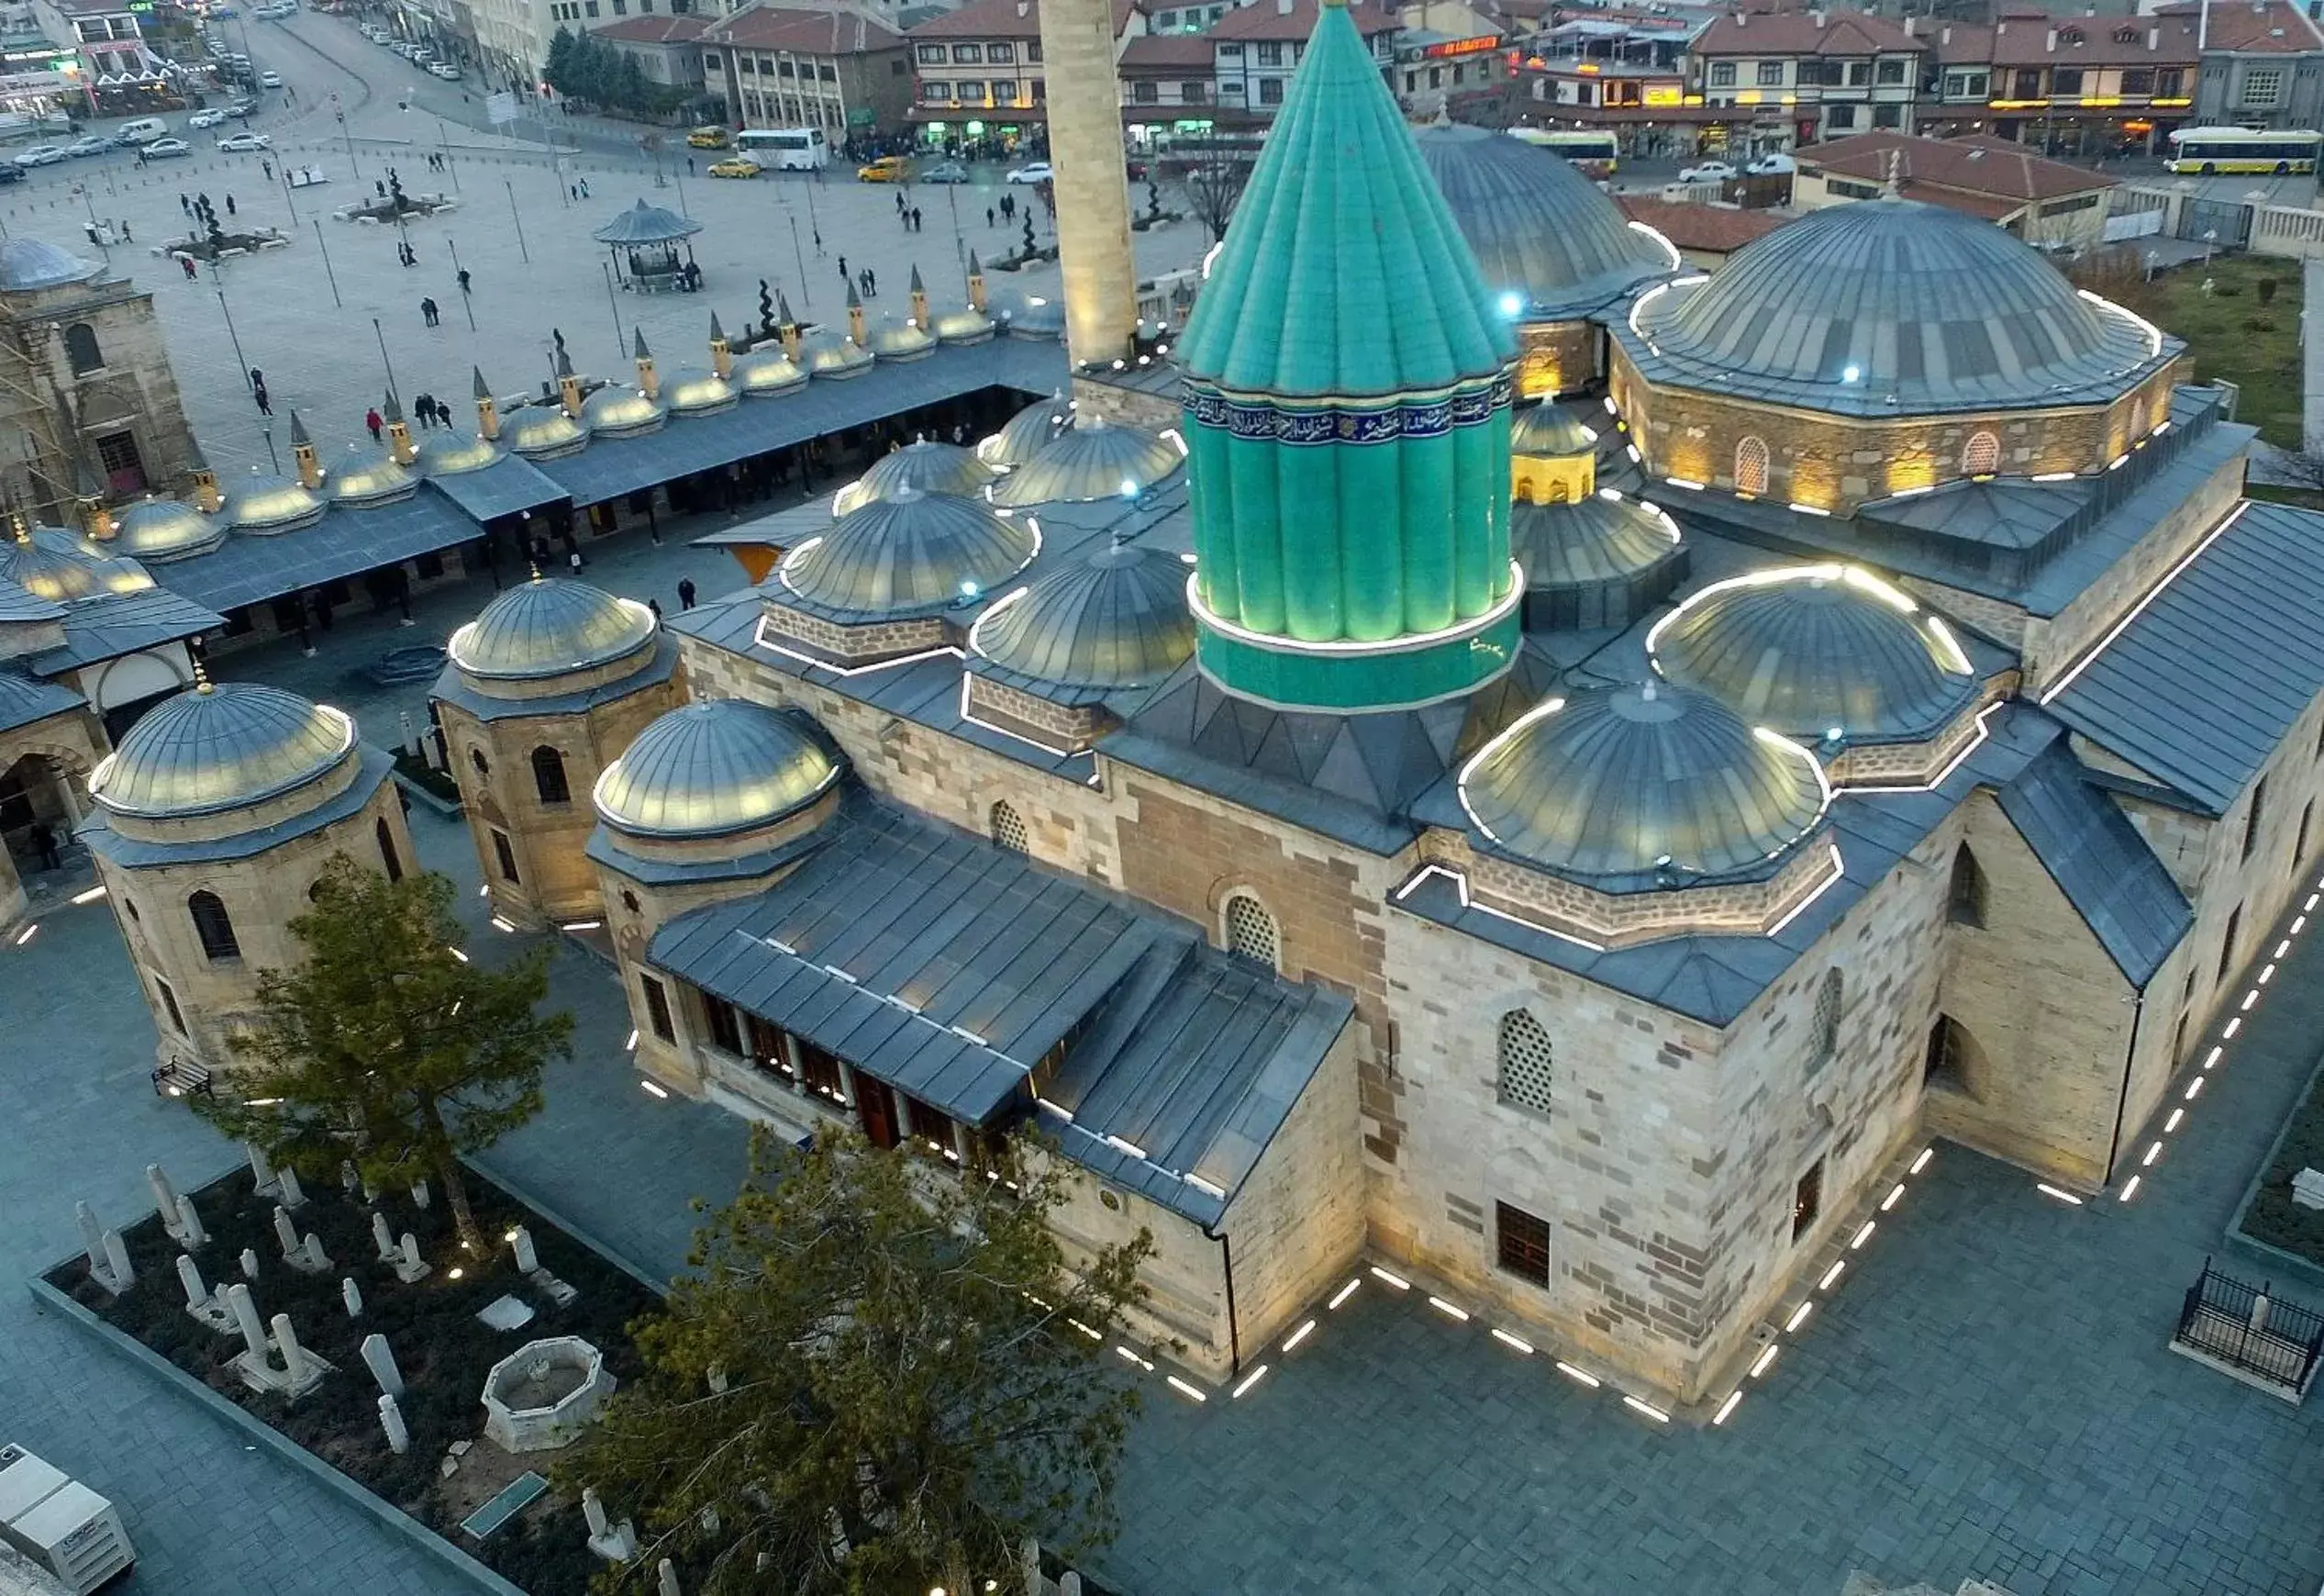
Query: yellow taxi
[735,166]
[886,169]
[710,138]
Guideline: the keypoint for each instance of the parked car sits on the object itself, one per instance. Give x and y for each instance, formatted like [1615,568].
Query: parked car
[445,70]
[89,144]
[710,136]
[1707,171]
[162,147]
[945,171]
[1774,165]
[243,110]
[1039,172]
[269,79]
[209,118]
[42,155]
[245,143]
[10,173]
[735,166]
[886,169]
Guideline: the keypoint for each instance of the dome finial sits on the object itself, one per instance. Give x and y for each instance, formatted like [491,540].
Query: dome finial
[1894,187]
[202,677]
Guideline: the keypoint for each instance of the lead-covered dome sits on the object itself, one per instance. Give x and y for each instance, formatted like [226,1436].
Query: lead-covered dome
[1028,432]
[369,476]
[1539,229]
[765,373]
[908,553]
[29,265]
[1089,459]
[262,504]
[164,529]
[1549,431]
[220,747]
[1114,617]
[615,411]
[1600,561]
[829,355]
[1888,307]
[1648,782]
[712,769]
[920,464]
[450,453]
[690,391]
[542,433]
[1818,650]
[899,337]
[62,568]
[548,627]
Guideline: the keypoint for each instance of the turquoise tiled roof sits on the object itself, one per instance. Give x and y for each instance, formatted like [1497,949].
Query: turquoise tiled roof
[1343,272]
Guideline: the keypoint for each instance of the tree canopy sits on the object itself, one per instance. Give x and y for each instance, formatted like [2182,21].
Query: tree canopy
[883,1375]
[387,1047]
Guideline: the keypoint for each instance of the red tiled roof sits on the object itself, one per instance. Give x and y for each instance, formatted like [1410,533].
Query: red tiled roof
[1961,44]
[1004,19]
[1976,164]
[1272,19]
[802,32]
[2031,38]
[680,29]
[1714,228]
[1166,52]
[1986,207]
[1767,33]
[2259,28]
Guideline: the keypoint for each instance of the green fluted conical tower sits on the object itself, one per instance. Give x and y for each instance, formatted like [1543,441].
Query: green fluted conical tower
[1348,386]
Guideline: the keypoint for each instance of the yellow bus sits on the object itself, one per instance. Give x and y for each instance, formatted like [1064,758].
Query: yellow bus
[1595,154]
[2202,152]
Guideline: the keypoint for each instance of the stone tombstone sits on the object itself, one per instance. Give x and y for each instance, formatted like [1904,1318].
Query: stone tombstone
[189,1223]
[381,1361]
[237,1297]
[189,1274]
[261,1173]
[116,1261]
[286,1234]
[391,1418]
[410,1267]
[2307,1188]
[249,1262]
[291,1196]
[420,1194]
[528,1260]
[384,1239]
[666,1575]
[164,1194]
[316,1259]
[91,1235]
[286,1342]
[353,1295]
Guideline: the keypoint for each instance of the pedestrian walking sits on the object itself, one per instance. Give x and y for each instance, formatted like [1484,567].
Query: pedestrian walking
[584,188]
[844,270]
[428,309]
[187,262]
[573,191]
[268,168]
[185,204]
[424,408]
[899,202]
[870,284]
[44,842]
[124,225]
[463,279]
[689,166]
[915,214]
[989,217]
[229,205]
[655,604]
[573,562]
[372,422]
[264,401]
[685,592]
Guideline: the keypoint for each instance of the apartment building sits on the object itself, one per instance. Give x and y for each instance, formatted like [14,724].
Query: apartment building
[1810,74]
[2261,63]
[1255,49]
[838,71]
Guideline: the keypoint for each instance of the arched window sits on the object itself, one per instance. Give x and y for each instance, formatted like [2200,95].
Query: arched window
[1981,455]
[1560,492]
[387,855]
[548,776]
[1008,828]
[1966,900]
[1751,465]
[476,761]
[1823,1031]
[1524,1062]
[80,349]
[1250,931]
[213,926]
[1953,1059]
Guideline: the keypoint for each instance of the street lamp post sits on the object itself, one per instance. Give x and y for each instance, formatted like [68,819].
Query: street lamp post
[387,364]
[801,253]
[465,300]
[617,344]
[330,276]
[521,251]
[443,142]
[235,339]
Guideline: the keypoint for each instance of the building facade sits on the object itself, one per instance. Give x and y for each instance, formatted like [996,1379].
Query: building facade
[838,71]
[1255,49]
[2041,201]
[2263,65]
[978,73]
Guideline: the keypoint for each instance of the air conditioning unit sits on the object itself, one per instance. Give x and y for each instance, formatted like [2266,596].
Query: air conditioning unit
[59,1523]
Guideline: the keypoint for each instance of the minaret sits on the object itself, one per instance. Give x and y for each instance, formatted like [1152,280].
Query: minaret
[721,355]
[1347,394]
[648,384]
[568,386]
[855,316]
[400,448]
[919,299]
[788,327]
[1091,186]
[308,464]
[975,283]
[487,412]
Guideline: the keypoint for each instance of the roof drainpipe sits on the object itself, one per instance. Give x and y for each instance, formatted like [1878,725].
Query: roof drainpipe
[1234,1329]
[2122,1101]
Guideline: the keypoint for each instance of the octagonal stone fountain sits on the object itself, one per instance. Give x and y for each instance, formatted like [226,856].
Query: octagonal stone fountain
[542,1395]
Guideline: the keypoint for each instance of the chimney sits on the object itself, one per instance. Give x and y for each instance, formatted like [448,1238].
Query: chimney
[1100,286]
[1910,29]
[721,355]
[1283,8]
[1023,7]
[568,386]
[1816,17]
[309,467]
[920,300]
[400,447]
[648,384]
[207,497]
[854,316]
[487,413]
[975,283]
[1944,34]
[2050,41]
[2154,38]
[96,520]
[788,327]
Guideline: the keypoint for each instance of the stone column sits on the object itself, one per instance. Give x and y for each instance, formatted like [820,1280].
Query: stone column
[1091,186]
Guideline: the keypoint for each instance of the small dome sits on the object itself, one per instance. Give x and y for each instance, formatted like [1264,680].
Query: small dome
[28,265]
[1091,459]
[1028,432]
[1034,317]
[1540,230]
[450,454]
[264,504]
[614,411]
[542,433]
[220,747]
[549,626]
[965,325]
[711,769]
[897,338]
[926,466]
[1114,617]
[1806,649]
[61,567]
[909,552]
[698,392]
[1649,780]
[1550,432]
[765,373]
[164,529]
[828,354]
[1887,306]
[370,477]
[1603,538]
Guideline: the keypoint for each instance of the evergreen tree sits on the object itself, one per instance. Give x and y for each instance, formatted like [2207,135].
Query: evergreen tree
[633,93]
[387,1046]
[559,71]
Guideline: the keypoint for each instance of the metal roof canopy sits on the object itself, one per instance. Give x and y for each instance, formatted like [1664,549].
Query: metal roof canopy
[345,542]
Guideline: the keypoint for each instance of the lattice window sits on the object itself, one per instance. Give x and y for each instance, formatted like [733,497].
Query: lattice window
[1981,455]
[1522,1242]
[1751,465]
[1250,931]
[1823,1038]
[1008,829]
[1528,1063]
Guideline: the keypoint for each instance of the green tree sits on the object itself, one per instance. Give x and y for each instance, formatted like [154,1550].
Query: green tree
[559,71]
[882,1374]
[387,1046]
[635,94]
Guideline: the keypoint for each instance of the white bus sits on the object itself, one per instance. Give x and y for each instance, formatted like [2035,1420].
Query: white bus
[2205,151]
[785,149]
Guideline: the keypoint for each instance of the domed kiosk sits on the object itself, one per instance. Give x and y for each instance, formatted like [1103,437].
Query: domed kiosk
[546,685]
[1044,658]
[878,583]
[212,820]
[1626,813]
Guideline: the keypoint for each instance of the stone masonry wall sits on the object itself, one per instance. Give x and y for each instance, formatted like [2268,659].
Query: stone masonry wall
[1298,1222]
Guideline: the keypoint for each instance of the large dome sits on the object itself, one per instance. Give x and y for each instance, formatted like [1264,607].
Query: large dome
[1808,650]
[1646,781]
[908,552]
[929,467]
[1091,459]
[615,411]
[457,453]
[164,529]
[1028,432]
[220,747]
[1887,306]
[28,265]
[549,626]
[765,373]
[1540,230]
[1114,617]
[1600,560]
[714,768]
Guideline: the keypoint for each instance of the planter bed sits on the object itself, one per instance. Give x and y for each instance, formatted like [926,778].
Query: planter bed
[2274,1227]
[442,1350]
